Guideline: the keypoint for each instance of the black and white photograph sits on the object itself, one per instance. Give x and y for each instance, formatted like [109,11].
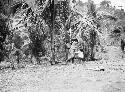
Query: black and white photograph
[62,45]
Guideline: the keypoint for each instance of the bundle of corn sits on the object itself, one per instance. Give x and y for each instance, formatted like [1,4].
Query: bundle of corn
[105,17]
[28,35]
[19,35]
[111,28]
[83,28]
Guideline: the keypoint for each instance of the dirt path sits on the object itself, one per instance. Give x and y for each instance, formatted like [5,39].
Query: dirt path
[70,78]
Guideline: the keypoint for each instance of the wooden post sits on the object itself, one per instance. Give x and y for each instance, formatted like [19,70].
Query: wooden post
[52,32]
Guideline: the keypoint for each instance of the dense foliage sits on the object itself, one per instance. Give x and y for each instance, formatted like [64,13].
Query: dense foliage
[37,31]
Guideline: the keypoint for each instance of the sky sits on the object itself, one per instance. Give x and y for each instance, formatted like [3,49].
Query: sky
[113,2]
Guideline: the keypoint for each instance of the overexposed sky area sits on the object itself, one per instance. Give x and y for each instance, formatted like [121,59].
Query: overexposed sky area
[113,2]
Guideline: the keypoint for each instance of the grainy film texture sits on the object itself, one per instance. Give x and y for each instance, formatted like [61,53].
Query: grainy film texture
[59,35]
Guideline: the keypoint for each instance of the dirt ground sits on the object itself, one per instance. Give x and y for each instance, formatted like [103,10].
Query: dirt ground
[106,75]
[94,76]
